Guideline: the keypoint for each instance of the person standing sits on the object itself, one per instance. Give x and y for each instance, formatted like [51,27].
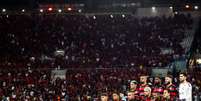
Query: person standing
[157,88]
[134,87]
[147,94]
[170,86]
[143,84]
[185,88]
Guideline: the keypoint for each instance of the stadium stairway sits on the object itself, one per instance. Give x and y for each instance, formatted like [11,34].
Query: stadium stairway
[189,36]
[180,64]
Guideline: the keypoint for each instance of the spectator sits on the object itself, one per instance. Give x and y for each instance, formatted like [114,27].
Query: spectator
[115,97]
[104,97]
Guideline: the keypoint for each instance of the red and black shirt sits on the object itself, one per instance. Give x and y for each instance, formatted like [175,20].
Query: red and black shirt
[173,90]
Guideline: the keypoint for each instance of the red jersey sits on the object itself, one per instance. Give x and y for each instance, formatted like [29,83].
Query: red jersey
[136,91]
[145,99]
[158,89]
[165,99]
[141,89]
[173,90]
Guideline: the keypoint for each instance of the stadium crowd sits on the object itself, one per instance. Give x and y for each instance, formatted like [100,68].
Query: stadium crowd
[99,40]
[124,45]
[129,84]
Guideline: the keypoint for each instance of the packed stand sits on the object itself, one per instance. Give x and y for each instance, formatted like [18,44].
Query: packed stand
[99,41]
[92,41]
[38,85]
[194,76]
[125,84]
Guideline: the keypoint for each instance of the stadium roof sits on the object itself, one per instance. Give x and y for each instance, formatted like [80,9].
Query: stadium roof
[93,3]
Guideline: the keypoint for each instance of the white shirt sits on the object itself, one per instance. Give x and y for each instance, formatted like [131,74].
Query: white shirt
[185,91]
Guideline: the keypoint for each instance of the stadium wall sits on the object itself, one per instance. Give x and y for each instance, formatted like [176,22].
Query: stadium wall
[154,11]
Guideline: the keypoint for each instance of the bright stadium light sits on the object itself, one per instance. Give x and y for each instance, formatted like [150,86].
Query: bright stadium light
[198,61]
[59,10]
[187,6]
[123,15]
[111,16]
[196,7]
[94,17]
[176,12]
[3,10]
[69,9]
[80,11]
[50,9]
[171,7]
[153,8]
[41,10]
[23,10]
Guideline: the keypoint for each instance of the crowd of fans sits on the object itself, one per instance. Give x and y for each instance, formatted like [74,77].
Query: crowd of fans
[88,41]
[90,85]
[28,84]
[128,45]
